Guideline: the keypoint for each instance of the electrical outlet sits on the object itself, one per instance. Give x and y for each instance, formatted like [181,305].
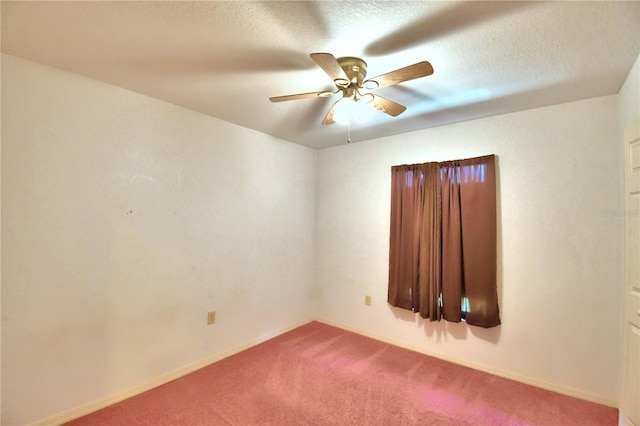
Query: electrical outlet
[367,300]
[211,317]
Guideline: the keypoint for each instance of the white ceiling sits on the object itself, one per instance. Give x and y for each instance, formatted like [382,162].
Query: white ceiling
[226,59]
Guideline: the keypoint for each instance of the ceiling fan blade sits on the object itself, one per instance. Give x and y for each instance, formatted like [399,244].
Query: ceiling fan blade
[421,69]
[328,119]
[385,105]
[324,94]
[330,65]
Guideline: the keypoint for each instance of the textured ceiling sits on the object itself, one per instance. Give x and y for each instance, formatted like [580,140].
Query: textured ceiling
[226,59]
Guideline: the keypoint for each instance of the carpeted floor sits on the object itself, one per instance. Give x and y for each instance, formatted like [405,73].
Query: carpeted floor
[322,375]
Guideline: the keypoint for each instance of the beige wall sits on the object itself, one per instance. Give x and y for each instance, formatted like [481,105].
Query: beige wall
[124,220]
[560,280]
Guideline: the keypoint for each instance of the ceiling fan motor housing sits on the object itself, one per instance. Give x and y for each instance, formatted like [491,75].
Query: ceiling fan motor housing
[354,68]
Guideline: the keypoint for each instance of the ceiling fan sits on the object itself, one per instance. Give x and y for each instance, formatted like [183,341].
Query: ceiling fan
[349,73]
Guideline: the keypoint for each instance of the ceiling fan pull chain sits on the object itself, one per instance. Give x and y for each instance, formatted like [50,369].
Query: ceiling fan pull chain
[349,130]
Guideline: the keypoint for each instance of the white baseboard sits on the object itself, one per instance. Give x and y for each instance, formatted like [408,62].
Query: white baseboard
[98,404]
[565,390]
[90,407]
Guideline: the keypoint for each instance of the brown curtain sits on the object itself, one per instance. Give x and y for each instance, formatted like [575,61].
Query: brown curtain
[404,248]
[414,252]
[443,240]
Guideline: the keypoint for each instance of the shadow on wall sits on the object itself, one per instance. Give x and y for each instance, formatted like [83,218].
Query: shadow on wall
[443,330]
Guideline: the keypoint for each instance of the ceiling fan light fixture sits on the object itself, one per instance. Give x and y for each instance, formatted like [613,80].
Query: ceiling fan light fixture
[367,97]
[352,109]
[343,110]
[326,94]
[370,84]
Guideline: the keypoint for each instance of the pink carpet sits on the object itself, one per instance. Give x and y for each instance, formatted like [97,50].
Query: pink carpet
[322,375]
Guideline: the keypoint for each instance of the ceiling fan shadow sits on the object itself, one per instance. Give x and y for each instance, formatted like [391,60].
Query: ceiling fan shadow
[410,93]
[210,61]
[285,13]
[457,17]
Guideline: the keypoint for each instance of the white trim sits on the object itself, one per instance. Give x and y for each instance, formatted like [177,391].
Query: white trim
[90,407]
[631,135]
[565,390]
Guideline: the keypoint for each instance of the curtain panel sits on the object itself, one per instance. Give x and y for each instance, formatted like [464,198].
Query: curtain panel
[443,247]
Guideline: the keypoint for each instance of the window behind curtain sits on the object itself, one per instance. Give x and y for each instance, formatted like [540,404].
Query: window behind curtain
[442,257]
